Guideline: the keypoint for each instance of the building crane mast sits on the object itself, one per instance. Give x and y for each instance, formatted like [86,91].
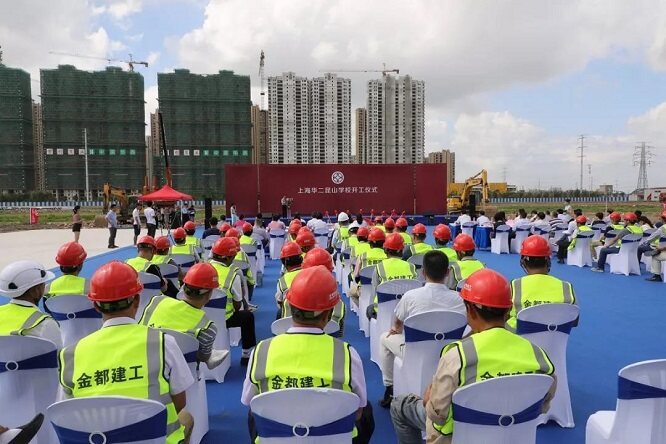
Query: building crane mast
[262,77]
[131,62]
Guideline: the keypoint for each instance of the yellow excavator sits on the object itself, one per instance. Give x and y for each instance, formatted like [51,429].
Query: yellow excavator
[119,195]
[455,204]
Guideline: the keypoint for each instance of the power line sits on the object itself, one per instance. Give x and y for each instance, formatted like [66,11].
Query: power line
[642,157]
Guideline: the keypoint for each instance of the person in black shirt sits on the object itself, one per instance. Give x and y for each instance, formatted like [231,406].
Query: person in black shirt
[213,230]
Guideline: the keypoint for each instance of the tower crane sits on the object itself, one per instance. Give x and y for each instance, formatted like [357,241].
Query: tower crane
[262,77]
[131,62]
[384,71]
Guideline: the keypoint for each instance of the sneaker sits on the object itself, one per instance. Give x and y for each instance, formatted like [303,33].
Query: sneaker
[216,358]
[29,430]
[385,402]
[252,307]
[654,278]
[597,270]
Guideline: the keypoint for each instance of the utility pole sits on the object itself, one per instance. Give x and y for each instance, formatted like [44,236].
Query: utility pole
[589,173]
[642,158]
[85,156]
[504,174]
[581,147]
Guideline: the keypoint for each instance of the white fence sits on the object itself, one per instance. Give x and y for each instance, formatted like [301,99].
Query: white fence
[70,204]
[558,200]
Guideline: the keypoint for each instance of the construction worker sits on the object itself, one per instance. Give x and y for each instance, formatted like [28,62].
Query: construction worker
[389,225]
[181,246]
[614,219]
[391,268]
[374,255]
[379,223]
[401,227]
[442,235]
[241,256]
[190,239]
[124,358]
[613,246]
[70,258]
[466,264]
[341,231]
[292,231]
[224,228]
[229,277]
[490,352]
[291,257]
[24,282]
[418,246]
[306,240]
[361,245]
[187,315]
[657,253]
[162,246]
[142,263]
[538,287]
[246,238]
[305,357]
[565,245]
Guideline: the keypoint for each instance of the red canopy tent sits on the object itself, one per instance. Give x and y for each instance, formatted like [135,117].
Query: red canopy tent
[165,194]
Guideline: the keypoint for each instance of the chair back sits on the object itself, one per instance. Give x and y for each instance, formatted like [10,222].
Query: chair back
[151,287]
[500,410]
[321,236]
[28,380]
[188,345]
[283,324]
[626,260]
[388,295]
[366,294]
[500,244]
[98,419]
[581,255]
[184,261]
[314,416]
[416,260]
[276,240]
[610,235]
[169,272]
[207,244]
[216,311]
[75,314]
[468,228]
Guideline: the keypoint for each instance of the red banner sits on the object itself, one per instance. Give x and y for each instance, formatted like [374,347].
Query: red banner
[414,189]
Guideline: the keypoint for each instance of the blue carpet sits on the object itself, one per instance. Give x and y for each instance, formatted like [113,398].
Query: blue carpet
[621,321]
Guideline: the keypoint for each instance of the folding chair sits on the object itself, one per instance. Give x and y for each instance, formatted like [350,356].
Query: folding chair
[75,314]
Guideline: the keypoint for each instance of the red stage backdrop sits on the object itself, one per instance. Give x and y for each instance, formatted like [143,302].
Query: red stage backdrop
[414,189]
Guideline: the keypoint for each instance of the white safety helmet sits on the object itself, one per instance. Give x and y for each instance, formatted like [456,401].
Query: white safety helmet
[343,217]
[354,225]
[20,276]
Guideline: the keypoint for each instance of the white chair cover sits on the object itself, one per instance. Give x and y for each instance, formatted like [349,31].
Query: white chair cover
[417,261]
[640,415]
[283,324]
[365,298]
[216,311]
[261,253]
[500,243]
[548,326]
[309,409]
[28,381]
[468,228]
[251,251]
[425,335]
[169,272]
[597,229]
[109,419]
[543,232]
[522,232]
[207,244]
[151,288]
[75,314]
[346,269]
[388,295]
[275,243]
[626,260]
[580,255]
[504,398]
[321,236]
[185,261]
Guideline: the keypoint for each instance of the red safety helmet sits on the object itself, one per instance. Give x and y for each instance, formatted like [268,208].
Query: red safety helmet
[464,242]
[162,243]
[488,288]
[401,222]
[294,227]
[535,246]
[225,247]
[630,217]
[114,281]
[376,235]
[394,242]
[442,232]
[581,220]
[71,254]
[290,249]
[419,229]
[224,227]
[247,228]
[379,219]
[232,232]
[389,223]
[190,226]
[179,233]
[363,232]
[305,239]
[304,229]
[202,275]
[318,256]
[313,289]
[615,216]
[146,240]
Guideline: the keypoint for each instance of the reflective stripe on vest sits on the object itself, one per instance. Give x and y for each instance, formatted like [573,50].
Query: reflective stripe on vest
[192,240]
[582,228]
[537,289]
[247,240]
[120,360]
[420,248]
[394,268]
[181,249]
[406,238]
[450,253]
[138,263]
[463,268]
[174,314]
[67,284]
[493,353]
[372,257]
[17,319]
[226,276]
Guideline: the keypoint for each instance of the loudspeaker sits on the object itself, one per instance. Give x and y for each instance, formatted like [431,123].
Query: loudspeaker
[208,211]
[472,204]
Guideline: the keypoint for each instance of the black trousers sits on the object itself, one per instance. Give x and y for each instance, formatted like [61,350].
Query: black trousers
[151,229]
[562,246]
[112,236]
[244,320]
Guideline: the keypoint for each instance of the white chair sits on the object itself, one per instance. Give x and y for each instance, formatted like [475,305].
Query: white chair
[500,243]
[197,401]
[184,261]
[283,324]
[321,236]
[543,232]
[425,335]
[28,381]
[337,265]
[500,410]
[75,314]
[117,419]
[597,229]
[251,251]
[580,254]
[417,261]
[640,415]
[216,311]
[522,232]
[304,422]
[388,295]
[346,269]
[207,244]
[275,243]
[151,287]
[548,326]
[170,272]
[468,228]
[261,253]
[626,260]
[365,297]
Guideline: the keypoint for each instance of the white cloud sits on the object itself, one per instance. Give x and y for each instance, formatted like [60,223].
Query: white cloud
[150,95]
[121,9]
[152,58]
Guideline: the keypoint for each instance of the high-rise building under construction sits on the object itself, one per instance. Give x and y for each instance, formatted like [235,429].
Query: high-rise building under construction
[109,105]
[206,125]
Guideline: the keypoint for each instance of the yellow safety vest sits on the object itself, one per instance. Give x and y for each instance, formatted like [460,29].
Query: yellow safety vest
[359,249]
[174,314]
[582,229]
[493,353]
[463,268]
[343,233]
[138,263]
[192,240]
[381,227]
[226,276]
[242,256]
[247,240]
[421,248]
[182,249]
[18,319]
[657,240]
[537,289]
[372,257]
[160,259]
[393,268]
[406,237]
[67,284]
[121,360]
[450,253]
[286,279]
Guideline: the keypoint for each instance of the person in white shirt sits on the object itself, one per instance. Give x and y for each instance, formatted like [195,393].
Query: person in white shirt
[564,217]
[112,225]
[136,221]
[463,218]
[316,223]
[540,223]
[567,206]
[151,223]
[24,282]
[483,220]
[435,295]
